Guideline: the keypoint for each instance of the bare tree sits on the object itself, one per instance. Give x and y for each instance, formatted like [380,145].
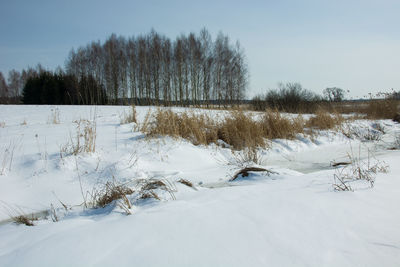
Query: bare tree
[132,55]
[166,71]
[191,70]
[3,90]
[14,85]
[334,94]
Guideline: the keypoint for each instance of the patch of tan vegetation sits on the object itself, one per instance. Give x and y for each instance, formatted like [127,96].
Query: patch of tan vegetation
[324,120]
[199,129]
[276,126]
[111,192]
[238,129]
[24,219]
[382,109]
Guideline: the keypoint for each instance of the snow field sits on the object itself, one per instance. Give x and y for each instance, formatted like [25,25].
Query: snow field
[290,218]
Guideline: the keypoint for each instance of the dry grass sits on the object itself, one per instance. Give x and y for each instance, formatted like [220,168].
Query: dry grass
[148,188]
[382,109]
[276,126]
[324,120]
[109,193]
[358,170]
[199,129]
[361,133]
[241,131]
[17,215]
[53,214]
[130,117]
[25,219]
[186,182]
[149,195]
[238,129]
[84,141]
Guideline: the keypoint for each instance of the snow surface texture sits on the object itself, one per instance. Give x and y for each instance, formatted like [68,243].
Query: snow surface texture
[290,217]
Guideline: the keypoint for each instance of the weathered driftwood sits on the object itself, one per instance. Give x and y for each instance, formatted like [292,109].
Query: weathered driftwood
[343,163]
[245,172]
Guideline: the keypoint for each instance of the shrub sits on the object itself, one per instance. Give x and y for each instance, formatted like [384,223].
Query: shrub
[289,97]
[258,103]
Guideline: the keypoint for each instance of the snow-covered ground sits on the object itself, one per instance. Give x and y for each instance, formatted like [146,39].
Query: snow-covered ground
[290,217]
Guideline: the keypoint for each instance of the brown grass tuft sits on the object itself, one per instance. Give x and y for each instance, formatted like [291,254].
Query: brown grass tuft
[148,187]
[323,120]
[109,193]
[24,219]
[186,182]
[239,130]
[154,185]
[148,195]
[276,126]
[199,129]
[84,141]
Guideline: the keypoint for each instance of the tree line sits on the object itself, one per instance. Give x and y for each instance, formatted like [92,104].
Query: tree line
[152,69]
[40,86]
[147,69]
[11,89]
[63,89]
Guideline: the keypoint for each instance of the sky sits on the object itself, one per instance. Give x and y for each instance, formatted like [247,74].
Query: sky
[354,45]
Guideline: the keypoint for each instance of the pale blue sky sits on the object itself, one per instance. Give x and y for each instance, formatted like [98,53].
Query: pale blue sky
[354,45]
